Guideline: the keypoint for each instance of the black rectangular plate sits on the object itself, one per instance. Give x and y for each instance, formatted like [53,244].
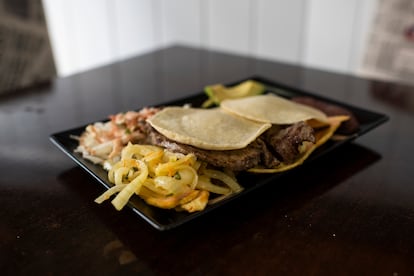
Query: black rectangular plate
[167,219]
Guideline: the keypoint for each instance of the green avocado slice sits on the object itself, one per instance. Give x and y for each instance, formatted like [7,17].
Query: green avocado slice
[218,92]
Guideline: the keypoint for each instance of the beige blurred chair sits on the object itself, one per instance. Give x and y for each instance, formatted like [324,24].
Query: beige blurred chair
[26,57]
[389,52]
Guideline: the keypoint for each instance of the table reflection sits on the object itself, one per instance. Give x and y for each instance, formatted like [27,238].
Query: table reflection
[191,243]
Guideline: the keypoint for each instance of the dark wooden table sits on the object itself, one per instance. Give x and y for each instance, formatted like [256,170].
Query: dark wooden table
[349,213]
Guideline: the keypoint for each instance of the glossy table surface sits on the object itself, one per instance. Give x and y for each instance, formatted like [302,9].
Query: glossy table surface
[349,213]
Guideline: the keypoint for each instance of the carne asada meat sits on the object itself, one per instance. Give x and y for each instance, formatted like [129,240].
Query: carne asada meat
[275,145]
[268,158]
[286,141]
[235,160]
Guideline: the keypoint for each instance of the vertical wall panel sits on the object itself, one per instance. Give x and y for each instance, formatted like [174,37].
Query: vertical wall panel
[92,41]
[61,35]
[279,29]
[181,22]
[329,34]
[80,36]
[135,29]
[229,25]
[363,22]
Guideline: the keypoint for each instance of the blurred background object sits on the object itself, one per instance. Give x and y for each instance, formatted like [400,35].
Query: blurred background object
[390,49]
[25,53]
[371,38]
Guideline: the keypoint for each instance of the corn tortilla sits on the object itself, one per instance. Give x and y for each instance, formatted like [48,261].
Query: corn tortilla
[273,109]
[210,129]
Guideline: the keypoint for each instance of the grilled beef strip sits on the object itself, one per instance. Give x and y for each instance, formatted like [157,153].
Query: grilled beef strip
[275,145]
[235,160]
[268,158]
[286,141]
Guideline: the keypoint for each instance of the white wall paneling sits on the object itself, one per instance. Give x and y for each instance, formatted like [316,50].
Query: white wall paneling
[59,29]
[81,37]
[280,27]
[92,32]
[181,21]
[229,25]
[363,21]
[134,28]
[327,34]
[335,33]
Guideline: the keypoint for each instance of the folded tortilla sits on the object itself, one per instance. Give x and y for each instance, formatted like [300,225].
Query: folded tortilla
[210,129]
[239,122]
[273,109]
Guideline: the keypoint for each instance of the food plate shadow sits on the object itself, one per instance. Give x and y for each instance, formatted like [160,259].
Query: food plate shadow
[297,187]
